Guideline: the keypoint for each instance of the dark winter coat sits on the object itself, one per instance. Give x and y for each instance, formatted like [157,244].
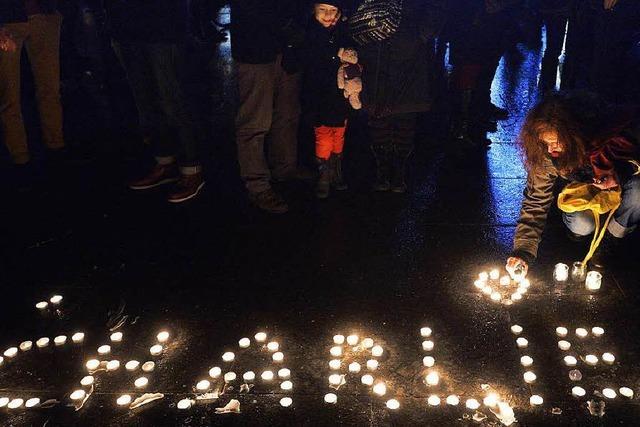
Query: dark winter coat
[147,21]
[14,10]
[321,98]
[396,71]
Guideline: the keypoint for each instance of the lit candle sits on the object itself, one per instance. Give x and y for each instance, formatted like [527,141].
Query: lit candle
[42,342]
[626,392]
[244,342]
[352,340]
[34,401]
[505,281]
[491,400]
[516,329]
[3,401]
[215,372]
[148,366]
[56,299]
[472,404]
[104,349]
[15,404]
[78,395]
[87,381]
[570,361]
[162,336]
[516,296]
[278,357]
[582,332]
[249,376]
[433,400]
[377,351]
[132,365]
[155,350]
[526,361]
[286,385]
[578,391]
[260,337]
[495,296]
[336,351]
[432,378]
[372,364]
[522,290]
[577,272]
[453,400]
[591,359]
[228,356]
[330,398]
[273,346]
[380,389]
[335,379]
[42,305]
[113,365]
[522,342]
[561,331]
[529,377]
[116,337]
[608,358]
[354,367]
[78,337]
[285,402]
[564,345]
[141,382]
[597,331]
[230,377]
[487,290]
[185,404]
[428,361]
[335,364]
[427,345]
[593,281]
[609,393]
[60,340]
[561,272]
[536,400]
[484,276]
[494,274]
[284,373]
[338,339]
[267,376]
[11,352]
[367,343]
[525,283]
[124,400]
[393,404]
[479,284]
[367,379]
[203,385]
[92,364]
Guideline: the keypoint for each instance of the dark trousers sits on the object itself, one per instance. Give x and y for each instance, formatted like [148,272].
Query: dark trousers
[269,110]
[396,131]
[555,28]
[152,72]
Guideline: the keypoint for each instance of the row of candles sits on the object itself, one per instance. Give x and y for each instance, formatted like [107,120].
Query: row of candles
[267,376]
[529,376]
[500,288]
[592,279]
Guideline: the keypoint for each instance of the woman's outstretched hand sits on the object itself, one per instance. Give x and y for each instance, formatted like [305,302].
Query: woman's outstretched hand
[517,267]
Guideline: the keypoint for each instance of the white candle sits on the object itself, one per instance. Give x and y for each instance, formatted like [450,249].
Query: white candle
[427,345]
[203,385]
[428,361]
[380,389]
[536,400]
[529,377]
[330,398]
[609,393]
[484,276]
[42,305]
[285,402]
[132,365]
[56,299]
[505,281]
[267,376]
[124,400]
[372,364]
[60,340]
[87,381]
[593,281]
[367,379]
[354,367]
[516,296]
[3,401]
[148,366]
[284,373]
[230,377]
[260,337]
[522,342]
[155,350]
[104,349]
[626,392]
[336,351]
[141,382]
[393,404]
[286,385]
[273,346]
[78,395]
[561,331]
[335,364]
[15,404]
[11,352]
[367,343]
[597,331]
[453,400]
[525,283]
[92,364]
[30,403]
[526,361]
[591,359]
[472,404]
[491,400]
[487,290]
[377,351]
[338,339]
[494,274]
[163,336]
[335,379]
[578,391]
[570,361]
[42,342]
[113,365]
[479,284]
[185,404]
[228,356]
[352,340]
[278,357]
[433,400]
[561,272]
[564,345]
[495,296]
[516,329]
[215,372]
[608,358]
[432,378]
[249,376]
[244,342]
[78,337]
[116,337]
[582,332]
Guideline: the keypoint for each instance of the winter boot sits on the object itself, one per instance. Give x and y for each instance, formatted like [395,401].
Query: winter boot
[401,154]
[382,155]
[338,178]
[325,177]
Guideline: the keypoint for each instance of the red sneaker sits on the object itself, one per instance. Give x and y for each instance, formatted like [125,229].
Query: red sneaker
[186,188]
[159,175]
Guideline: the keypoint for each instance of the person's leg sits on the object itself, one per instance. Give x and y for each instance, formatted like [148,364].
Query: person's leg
[627,217]
[404,132]
[283,151]
[324,146]
[43,47]
[13,131]
[581,224]
[381,134]
[555,26]
[336,155]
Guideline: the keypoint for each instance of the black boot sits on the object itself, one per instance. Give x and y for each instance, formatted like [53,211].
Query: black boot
[605,254]
[324,180]
[401,154]
[382,155]
[336,167]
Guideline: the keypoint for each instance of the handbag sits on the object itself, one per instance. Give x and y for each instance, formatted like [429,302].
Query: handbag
[375,20]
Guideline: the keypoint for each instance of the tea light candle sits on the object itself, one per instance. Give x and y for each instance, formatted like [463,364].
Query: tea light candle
[278,357]
[11,352]
[494,274]
[491,400]
[516,296]
[479,284]
[3,401]
[367,380]
[597,331]
[163,336]
[426,332]
[338,339]
[335,364]
[529,377]
[453,400]
[522,342]
[104,349]
[526,361]
[15,404]
[336,351]
[427,345]
[231,376]
[330,398]
[578,391]
[377,351]
[564,345]
[60,340]
[609,393]
[505,281]
[273,346]
[484,276]
[148,366]
[367,343]
[123,400]
[354,367]
[561,272]
[116,337]
[185,404]
[113,365]
[487,290]
[575,375]
[92,364]
[432,378]
[591,359]
[536,400]
[42,342]
[155,350]
[286,385]
[228,356]
[577,272]
[78,395]
[380,389]
[593,281]
[525,283]
[284,373]
[285,402]
[352,340]
[203,385]
[626,392]
[570,361]
[244,343]
[428,361]
[78,337]
[472,404]
[267,376]
[561,331]
[495,296]
[372,364]
[582,332]
[249,376]
[42,305]
[433,400]
[335,379]
[141,382]
[131,365]
[87,381]
[33,402]
[393,404]
[56,299]
[215,372]
[516,329]
[260,337]
[608,358]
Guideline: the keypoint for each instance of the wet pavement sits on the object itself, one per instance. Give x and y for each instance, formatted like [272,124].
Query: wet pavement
[381,266]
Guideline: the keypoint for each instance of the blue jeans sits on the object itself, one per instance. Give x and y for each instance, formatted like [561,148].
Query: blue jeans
[624,221]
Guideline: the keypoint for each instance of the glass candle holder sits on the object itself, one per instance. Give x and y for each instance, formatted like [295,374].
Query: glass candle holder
[561,272]
[578,272]
[593,281]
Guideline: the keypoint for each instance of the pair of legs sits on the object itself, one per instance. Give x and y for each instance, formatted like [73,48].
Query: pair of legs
[41,38]
[329,147]
[624,221]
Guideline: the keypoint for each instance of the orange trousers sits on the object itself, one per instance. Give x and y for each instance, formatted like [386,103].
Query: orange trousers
[329,140]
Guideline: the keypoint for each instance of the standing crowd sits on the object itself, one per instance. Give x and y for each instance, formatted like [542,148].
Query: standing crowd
[392,59]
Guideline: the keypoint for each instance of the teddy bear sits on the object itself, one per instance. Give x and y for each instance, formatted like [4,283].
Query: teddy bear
[350,76]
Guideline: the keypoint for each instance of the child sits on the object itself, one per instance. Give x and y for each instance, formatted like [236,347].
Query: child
[326,104]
